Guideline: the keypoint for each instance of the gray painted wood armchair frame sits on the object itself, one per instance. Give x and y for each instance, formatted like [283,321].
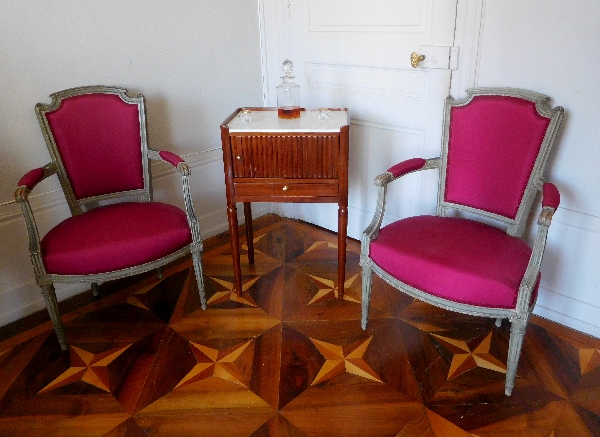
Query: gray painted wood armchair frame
[506,105]
[83,198]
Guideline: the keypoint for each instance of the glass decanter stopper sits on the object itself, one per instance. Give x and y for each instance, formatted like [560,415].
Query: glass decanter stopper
[288,93]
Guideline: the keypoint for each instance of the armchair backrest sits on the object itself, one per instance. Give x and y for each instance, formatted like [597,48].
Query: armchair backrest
[494,148]
[97,139]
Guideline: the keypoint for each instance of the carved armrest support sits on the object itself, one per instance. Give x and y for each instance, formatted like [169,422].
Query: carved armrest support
[550,202]
[179,163]
[382,181]
[24,187]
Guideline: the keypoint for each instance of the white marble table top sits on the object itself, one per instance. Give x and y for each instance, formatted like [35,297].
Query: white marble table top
[267,121]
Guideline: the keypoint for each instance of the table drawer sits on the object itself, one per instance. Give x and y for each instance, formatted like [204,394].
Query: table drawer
[286,189]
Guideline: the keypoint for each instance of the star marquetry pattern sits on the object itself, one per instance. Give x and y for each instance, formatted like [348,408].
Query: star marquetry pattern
[229,293]
[328,289]
[589,359]
[321,245]
[134,298]
[233,364]
[254,240]
[464,359]
[341,360]
[87,367]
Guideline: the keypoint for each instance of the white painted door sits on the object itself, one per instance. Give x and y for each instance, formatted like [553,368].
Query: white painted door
[356,54]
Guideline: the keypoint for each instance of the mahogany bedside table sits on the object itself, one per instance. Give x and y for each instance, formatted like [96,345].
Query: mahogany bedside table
[269,159]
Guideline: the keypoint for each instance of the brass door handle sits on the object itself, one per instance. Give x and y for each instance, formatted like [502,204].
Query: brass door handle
[415,58]
[285,188]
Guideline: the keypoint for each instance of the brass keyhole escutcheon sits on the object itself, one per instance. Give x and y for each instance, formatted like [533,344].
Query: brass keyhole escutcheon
[415,58]
[285,188]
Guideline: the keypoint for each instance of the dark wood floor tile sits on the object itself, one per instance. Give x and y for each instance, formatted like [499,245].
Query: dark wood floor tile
[162,298]
[129,428]
[245,323]
[444,428]
[300,363]
[268,292]
[68,425]
[278,426]
[13,361]
[241,424]
[348,406]
[154,367]
[266,364]
[213,397]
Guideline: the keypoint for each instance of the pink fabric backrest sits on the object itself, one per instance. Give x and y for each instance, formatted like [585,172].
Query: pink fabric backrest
[98,138]
[492,148]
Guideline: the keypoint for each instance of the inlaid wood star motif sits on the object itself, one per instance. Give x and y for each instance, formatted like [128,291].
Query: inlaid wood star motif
[229,293]
[321,245]
[328,289]
[233,364]
[589,359]
[135,298]
[341,360]
[87,367]
[254,240]
[464,359]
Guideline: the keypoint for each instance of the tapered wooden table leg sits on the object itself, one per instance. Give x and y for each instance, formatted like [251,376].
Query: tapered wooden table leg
[342,231]
[235,247]
[249,233]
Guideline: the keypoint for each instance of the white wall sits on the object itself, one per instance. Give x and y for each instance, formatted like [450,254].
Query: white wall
[549,46]
[195,61]
[552,47]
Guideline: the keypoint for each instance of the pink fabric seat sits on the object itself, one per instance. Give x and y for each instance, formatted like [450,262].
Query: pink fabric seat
[457,259]
[115,237]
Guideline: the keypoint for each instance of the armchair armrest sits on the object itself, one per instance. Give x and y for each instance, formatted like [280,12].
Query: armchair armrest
[24,187]
[550,202]
[180,164]
[33,177]
[550,196]
[170,158]
[404,168]
[381,181]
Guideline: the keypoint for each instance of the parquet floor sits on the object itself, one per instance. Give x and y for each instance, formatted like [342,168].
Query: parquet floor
[288,359]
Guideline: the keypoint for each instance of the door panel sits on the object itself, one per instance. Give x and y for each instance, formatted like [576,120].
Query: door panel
[356,54]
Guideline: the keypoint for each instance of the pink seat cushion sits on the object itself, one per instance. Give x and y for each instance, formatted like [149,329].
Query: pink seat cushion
[115,237]
[457,259]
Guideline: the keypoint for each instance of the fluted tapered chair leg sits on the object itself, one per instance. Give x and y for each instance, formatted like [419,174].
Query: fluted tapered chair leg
[367,275]
[515,344]
[52,305]
[197,261]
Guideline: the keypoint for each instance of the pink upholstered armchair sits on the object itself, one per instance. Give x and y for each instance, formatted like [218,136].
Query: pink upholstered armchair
[494,148]
[97,141]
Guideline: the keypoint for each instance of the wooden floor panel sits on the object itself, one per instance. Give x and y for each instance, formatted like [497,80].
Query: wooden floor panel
[288,358]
